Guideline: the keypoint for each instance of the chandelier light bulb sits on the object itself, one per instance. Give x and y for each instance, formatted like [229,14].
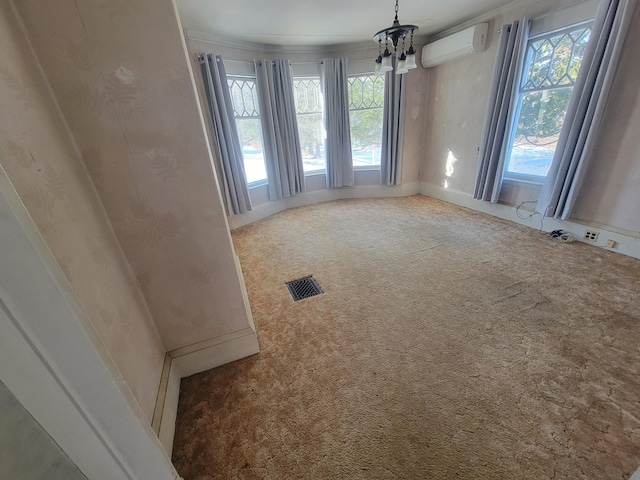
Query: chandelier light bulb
[410,62]
[386,61]
[393,35]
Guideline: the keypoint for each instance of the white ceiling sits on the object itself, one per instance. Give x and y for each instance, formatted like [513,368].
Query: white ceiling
[322,22]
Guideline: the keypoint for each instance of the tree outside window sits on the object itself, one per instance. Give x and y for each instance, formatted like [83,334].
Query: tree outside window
[309,108]
[551,68]
[244,97]
[366,102]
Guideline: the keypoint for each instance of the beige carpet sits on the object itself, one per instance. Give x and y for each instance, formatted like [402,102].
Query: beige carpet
[448,344]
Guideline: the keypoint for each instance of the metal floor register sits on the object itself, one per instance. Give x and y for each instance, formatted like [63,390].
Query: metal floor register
[304,288]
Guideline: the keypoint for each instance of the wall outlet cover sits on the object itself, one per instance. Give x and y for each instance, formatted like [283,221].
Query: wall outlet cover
[591,235]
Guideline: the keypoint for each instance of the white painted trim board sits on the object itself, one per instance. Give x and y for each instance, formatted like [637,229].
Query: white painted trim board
[626,244]
[187,361]
[323,195]
[53,362]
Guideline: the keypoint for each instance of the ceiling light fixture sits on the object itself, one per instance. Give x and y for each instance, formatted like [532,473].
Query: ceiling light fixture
[391,37]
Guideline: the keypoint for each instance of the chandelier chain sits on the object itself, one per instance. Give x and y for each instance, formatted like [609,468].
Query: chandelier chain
[392,35]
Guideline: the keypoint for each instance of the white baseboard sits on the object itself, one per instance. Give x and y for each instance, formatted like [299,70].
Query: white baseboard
[324,195]
[627,243]
[190,360]
[169,413]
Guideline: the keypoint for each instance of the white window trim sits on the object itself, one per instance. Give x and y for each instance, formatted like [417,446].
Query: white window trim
[577,16]
[257,183]
[559,19]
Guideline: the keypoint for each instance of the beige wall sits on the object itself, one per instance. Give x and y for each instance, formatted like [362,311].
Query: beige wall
[119,72]
[41,160]
[456,105]
[611,192]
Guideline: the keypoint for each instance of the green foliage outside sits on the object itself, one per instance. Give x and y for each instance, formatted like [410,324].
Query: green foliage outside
[551,72]
[366,101]
[366,128]
[542,115]
[310,131]
[249,131]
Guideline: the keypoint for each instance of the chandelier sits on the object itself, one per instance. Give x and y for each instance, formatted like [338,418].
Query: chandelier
[392,37]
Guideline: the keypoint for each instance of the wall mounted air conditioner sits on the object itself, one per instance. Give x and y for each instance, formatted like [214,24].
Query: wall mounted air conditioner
[468,41]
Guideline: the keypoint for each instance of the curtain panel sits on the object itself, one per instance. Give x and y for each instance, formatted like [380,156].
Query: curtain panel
[586,108]
[281,141]
[392,129]
[501,110]
[227,139]
[335,91]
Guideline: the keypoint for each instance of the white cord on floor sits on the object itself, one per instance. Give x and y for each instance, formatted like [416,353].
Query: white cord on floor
[557,235]
[531,215]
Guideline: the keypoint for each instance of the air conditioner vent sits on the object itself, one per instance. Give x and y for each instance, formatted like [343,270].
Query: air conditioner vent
[466,42]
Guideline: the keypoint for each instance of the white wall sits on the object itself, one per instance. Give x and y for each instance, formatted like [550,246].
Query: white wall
[27,452]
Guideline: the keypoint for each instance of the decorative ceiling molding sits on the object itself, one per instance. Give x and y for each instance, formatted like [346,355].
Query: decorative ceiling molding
[222,40]
[486,17]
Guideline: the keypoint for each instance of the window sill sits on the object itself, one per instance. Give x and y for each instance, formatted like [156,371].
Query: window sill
[257,184]
[367,168]
[535,181]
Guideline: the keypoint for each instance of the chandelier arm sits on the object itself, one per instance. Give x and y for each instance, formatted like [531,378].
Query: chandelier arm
[398,32]
[392,35]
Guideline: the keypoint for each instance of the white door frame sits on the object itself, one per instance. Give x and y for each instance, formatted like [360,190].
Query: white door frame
[54,363]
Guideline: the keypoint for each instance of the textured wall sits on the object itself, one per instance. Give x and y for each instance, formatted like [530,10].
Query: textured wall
[119,72]
[42,162]
[611,193]
[27,452]
[457,98]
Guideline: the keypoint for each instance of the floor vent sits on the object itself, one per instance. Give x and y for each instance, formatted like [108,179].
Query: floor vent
[304,288]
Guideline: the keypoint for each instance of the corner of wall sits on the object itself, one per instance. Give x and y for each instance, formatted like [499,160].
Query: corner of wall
[188,361]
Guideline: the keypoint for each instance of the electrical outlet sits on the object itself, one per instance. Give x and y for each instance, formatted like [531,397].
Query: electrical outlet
[611,244]
[591,236]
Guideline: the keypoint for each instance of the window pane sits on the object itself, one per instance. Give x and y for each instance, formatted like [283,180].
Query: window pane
[366,101]
[311,131]
[244,98]
[250,133]
[555,61]
[551,69]
[366,136]
[310,123]
[539,124]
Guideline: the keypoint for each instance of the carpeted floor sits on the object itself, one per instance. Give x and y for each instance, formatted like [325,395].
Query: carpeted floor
[448,344]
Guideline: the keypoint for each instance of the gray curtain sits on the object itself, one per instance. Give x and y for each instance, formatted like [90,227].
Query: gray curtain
[585,110]
[335,90]
[281,141]
[501,108]
[392,129]
[226,132]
